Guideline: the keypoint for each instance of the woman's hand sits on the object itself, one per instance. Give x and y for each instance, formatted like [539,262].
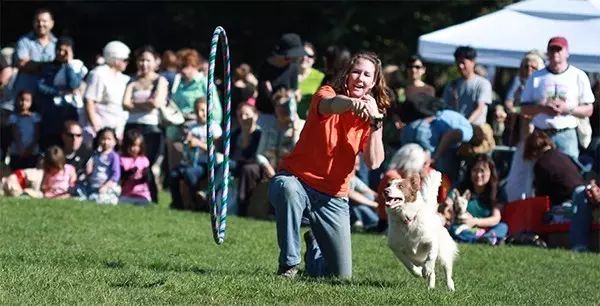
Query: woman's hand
[468,220]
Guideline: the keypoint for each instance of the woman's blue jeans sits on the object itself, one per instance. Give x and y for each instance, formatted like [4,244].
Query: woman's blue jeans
[331,254]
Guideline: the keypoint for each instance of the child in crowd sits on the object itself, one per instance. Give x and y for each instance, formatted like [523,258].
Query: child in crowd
[25,131]
[103,170]
[59,177]
[193,167]
[134,170]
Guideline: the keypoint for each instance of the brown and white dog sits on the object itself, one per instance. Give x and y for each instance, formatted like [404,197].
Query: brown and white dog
[415,233]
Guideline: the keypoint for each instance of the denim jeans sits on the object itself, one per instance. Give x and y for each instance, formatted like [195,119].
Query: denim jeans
[566,142]
[495,233]
[331,254]
[191,175]
[581,221]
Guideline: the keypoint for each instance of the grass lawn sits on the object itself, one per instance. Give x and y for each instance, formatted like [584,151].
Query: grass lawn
[69,252]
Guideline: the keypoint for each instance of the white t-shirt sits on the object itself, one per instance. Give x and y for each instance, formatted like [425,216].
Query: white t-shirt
[107,88]
[573,85]
[199,131]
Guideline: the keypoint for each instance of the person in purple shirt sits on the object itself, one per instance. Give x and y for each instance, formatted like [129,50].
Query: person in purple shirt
[103,171]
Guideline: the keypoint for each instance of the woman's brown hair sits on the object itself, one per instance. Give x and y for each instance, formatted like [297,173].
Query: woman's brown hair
[489,197]
[189,57]
[536,144]
[54,158]
[379,91]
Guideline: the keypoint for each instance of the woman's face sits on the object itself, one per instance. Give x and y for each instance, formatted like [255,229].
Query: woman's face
[480,174]
[309,59]
[416,70]
[528,67]
[188,72]
[146,63]
[361,78]
[246,116]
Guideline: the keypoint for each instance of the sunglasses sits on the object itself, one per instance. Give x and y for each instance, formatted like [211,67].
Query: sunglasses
[554,49]
[310,55]
[71,135]
[415,66]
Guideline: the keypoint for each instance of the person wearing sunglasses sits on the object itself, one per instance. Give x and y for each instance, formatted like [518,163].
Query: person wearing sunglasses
[76,154]
[532,61]
[415,70]
[556,97]
[309,79]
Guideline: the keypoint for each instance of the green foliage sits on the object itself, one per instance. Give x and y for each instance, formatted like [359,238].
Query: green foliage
[67,252]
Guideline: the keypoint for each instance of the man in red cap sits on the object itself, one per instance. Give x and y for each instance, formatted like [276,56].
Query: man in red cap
[557,96]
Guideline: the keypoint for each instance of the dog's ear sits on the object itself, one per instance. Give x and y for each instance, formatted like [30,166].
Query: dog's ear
[454,194]
[467,194]
[415,182]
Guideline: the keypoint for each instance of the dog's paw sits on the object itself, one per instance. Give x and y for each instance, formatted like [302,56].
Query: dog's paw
[450,284]
[416,271]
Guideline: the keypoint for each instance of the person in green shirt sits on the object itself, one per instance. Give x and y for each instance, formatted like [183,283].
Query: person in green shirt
[309,79]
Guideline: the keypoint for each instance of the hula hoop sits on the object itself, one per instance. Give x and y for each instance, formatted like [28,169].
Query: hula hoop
[218,213]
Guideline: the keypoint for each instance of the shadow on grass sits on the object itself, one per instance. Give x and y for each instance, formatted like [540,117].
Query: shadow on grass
[368,282]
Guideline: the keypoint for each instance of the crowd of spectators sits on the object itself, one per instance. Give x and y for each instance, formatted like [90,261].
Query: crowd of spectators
[99,134]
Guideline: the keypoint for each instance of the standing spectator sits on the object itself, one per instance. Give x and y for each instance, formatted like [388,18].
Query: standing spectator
[557,96]
[244,87]
[309,79]
[169,67]
[34,49]
[135,168]
[105,91]
[7,77]
[595,121]
[335,60]
[279,70]
[76,154]
[188,86]
[314,178]
[25,132]
[60,97]
[59,177]
[471,94]
[145,93]
[415,70]
[532,61]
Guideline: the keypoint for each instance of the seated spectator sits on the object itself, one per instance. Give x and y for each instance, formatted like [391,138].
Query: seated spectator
[59,177]
[25,132]
[483,209]
[60,92]
[244,87]
[363,214]
[244,145]
[76,154]
[103,171]
[194,165]
[278,141]
[557,176]
[135,168]
[23,182]
[105,91]
[309,79]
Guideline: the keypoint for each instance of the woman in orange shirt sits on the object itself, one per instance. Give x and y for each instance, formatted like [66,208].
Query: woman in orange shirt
[344,119]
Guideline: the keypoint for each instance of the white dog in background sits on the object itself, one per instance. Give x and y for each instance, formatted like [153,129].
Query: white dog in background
[460,203]
[415,233]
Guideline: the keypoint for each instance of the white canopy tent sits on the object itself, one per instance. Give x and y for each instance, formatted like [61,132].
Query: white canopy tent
[503,37]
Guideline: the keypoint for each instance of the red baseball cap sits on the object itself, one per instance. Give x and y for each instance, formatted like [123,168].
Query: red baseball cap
[558,41]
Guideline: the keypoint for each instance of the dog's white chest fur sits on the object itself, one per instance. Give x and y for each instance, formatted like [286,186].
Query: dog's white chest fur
[416,234]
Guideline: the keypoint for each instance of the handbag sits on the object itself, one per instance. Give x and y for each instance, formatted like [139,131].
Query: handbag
[170,114]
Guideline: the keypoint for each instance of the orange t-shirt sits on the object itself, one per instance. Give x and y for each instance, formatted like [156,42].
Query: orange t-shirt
[325,153]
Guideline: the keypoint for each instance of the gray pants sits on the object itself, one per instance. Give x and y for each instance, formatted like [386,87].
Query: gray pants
[329,218]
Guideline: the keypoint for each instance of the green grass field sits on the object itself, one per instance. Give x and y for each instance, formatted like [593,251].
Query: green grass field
[67,252]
